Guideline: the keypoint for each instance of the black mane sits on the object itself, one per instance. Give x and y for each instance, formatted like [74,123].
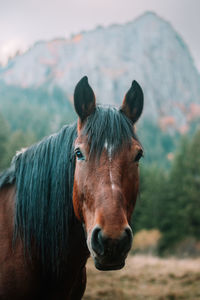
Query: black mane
[7,177]
[44,175]
[44,210]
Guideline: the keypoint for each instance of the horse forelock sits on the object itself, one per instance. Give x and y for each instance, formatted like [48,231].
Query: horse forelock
[108,128]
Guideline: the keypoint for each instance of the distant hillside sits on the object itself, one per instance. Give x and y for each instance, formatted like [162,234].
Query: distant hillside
[146,49]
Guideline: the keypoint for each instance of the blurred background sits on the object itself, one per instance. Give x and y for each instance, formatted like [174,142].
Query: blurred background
[47,46]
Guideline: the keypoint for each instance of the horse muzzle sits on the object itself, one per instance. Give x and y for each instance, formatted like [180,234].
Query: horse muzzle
[109,253]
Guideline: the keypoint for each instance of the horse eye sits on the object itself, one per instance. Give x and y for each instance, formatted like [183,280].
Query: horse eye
[79,154]
[138,156]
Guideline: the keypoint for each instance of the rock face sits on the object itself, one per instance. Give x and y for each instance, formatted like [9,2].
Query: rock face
[146,49]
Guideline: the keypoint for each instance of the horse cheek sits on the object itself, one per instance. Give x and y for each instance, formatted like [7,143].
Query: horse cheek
[131,192]
[77,203]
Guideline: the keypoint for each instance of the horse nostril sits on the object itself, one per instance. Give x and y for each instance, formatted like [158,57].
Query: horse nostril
[103,245]
[126,240]
[97,241]
[129,233]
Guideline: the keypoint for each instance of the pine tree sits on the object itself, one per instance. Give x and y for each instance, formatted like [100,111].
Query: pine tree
[191,186]
[4,138]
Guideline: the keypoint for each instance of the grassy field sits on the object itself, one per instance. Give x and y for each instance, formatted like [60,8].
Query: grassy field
[146,277]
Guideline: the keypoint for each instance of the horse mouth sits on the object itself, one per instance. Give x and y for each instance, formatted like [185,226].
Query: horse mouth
[108,266]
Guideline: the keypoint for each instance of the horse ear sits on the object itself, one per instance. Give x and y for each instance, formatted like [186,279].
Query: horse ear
[132,105]
[84,99]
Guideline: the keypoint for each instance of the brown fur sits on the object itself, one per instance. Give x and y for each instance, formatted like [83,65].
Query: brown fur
[95,202]
[21,279]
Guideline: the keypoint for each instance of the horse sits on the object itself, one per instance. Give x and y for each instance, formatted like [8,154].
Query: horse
[68,197]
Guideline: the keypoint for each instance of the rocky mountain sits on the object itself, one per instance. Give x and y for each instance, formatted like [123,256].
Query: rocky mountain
[147,49]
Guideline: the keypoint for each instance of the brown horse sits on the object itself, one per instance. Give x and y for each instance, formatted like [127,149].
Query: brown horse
[69,196]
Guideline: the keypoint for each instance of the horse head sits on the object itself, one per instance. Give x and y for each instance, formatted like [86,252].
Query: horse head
[106,178]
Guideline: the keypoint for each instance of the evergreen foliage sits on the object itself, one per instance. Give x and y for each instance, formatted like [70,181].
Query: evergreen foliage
[4,137]
[170,201]
[38,111]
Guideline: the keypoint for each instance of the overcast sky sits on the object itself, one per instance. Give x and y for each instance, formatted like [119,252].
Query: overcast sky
[23,22]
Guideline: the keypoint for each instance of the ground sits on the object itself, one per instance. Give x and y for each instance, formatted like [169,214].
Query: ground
[146,277]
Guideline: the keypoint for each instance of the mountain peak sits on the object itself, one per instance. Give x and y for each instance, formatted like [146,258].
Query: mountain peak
[147,49]
[150,14]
